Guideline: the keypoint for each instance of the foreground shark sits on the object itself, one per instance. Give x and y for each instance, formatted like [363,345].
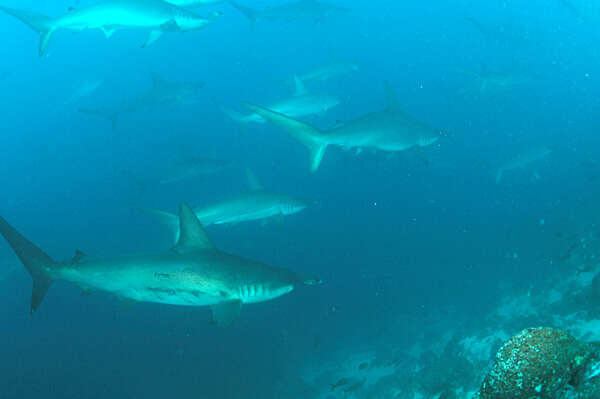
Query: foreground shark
[302,103]
[256,204]
[155,16]
[388,130]
[193,273]
[522,160]
[161,93]
[313,10]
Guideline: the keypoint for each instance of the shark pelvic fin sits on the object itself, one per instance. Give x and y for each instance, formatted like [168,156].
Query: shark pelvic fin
[34,259]
[152,37]
[299,85]
[253,182]
[191,232]
[40,23]
[224,314]
[108,32]
[308,135]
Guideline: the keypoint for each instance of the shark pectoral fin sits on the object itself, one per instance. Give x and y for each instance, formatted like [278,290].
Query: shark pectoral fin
[154,36]
[224,314]
[45,37]
[300,88]
[108,32]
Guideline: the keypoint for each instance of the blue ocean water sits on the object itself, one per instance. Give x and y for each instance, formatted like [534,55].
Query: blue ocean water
[416,249]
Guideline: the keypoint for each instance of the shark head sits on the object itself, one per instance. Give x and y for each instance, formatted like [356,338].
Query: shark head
[187,20]
[295,205]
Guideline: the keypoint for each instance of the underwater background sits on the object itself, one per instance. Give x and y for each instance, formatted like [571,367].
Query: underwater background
[428,260]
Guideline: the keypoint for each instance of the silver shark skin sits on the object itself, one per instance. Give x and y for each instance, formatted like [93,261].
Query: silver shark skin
[193,273]
[388,130]
[161,93]
[302,103]
[256,204]
[193,3]
[155,16]
[522,160]
[312,10]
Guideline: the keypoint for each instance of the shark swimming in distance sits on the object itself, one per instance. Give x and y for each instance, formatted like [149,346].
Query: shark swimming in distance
[255,204]
[192,168]
[522,160]
[193,273]
[389,130]
[312,10]
[328,71]
[162,92]
[85,89]
[155,16]
[302,103]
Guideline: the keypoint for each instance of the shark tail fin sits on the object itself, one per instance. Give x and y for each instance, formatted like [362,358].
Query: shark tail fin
[308,135]
[39,23]
[34,259]
[170,220]
[111,116]
[247,12]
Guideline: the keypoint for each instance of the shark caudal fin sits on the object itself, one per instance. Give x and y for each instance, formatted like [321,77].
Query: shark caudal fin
[106,114]
[39,23]
[170,220]
[34,259]
[247,12]
[308,135]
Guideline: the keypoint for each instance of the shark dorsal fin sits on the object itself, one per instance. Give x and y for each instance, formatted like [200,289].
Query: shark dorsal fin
[191,232]
[299,85]
[158,81]
[253,182]
[390,95]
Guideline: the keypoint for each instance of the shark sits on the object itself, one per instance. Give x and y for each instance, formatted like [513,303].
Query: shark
[313,10]
[192,168]
[390,129]
[329,71]
[193,3]
[192,273]
[85,89]
[255,204]
[302,103]
[162,92]
[155,16]
[522,160]
[492,83]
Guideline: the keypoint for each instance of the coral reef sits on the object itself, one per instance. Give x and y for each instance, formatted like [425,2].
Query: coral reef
[543,363]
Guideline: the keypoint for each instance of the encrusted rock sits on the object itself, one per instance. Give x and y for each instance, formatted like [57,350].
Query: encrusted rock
[538,363]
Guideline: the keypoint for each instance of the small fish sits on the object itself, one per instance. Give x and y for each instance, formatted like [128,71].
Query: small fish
[363,365]
[356,386]
[340,383]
